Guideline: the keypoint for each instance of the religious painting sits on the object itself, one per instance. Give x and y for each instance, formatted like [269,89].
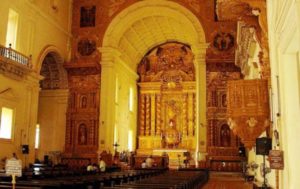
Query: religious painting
[87,16]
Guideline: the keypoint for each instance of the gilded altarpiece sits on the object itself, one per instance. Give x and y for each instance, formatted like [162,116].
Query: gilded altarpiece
[223,144]
[167,99]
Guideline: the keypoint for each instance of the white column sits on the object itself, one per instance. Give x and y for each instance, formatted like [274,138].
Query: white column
[200,66]
[107,100]
[32,99]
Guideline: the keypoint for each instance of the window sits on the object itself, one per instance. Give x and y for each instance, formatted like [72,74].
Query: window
[37,136]
[12,28]
[6,122]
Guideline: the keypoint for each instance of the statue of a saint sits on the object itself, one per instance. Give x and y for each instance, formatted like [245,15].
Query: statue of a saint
[172,136]
[82,134]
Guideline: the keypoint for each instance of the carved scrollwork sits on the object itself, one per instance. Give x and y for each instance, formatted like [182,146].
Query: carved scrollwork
[86,47]
[223,41]
[168,62]
[248,109]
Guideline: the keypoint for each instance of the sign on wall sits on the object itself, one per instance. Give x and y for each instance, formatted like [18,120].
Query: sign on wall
[276,159]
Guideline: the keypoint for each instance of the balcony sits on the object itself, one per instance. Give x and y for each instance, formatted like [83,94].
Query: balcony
[14,64]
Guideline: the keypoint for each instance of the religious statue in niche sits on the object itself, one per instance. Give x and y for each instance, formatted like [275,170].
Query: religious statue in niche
[86,47]
[171,137]
[225,135]
[224,100]
[82,134]
[83,102]
[87,16]
[223,41]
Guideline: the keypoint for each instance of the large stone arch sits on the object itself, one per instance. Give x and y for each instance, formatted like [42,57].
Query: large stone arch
[52,54]
[53,98]
[130,35]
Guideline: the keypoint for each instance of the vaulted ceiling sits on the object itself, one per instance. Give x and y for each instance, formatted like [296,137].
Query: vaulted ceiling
[134,32]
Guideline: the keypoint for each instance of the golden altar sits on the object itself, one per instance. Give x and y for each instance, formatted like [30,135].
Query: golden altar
[176,156]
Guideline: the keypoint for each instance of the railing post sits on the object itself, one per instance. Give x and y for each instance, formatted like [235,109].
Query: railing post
[29,61]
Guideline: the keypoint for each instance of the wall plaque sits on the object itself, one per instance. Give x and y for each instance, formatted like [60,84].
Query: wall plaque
[276,159]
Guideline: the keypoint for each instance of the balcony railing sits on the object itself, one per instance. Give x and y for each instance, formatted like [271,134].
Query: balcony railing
[15,56]
[14,64]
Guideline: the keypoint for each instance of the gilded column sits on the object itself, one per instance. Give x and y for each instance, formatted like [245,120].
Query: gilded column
[190,114]
[184,116]
[147,132]
[158,114]
[152,114]
[142,115]
[162,118]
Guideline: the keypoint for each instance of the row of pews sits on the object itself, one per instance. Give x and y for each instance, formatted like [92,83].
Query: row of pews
[143,178]
[79,180]
[169,180]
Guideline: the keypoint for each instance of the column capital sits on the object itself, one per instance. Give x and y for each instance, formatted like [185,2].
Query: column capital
[109,54]
[200,49]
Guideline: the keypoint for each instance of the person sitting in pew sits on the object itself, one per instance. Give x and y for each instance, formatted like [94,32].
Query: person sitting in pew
[102,165]
[144,164]
[149,162]
[90,167]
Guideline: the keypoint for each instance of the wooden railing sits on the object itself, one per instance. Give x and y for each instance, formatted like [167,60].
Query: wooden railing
[223,151]
[15,56]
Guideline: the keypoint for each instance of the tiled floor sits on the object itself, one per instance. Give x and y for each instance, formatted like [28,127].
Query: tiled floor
[227,181]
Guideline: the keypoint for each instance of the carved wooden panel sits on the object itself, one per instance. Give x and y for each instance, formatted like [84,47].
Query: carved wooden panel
[170,62]
[83,116]
[248,109]
[222,142]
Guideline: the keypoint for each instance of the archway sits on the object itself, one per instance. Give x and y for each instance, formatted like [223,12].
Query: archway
[131,34]
[52,106]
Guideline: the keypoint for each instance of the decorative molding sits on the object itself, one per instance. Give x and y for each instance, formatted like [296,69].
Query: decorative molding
[245,39]
[12,69]
[115,6]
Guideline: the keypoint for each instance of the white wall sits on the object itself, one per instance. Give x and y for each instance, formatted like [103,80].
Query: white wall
[284,30]
[52,120]
[39,26]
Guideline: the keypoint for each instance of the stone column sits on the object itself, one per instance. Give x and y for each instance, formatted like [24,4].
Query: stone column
[107,99]
[32,97]
[200,132]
